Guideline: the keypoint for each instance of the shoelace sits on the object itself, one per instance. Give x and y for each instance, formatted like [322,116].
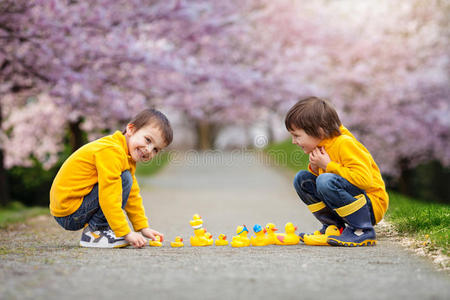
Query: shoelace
[110,234]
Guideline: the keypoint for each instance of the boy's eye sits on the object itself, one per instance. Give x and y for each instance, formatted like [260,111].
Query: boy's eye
[148,140]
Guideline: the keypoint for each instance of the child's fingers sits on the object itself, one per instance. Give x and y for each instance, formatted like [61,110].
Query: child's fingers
[152,236]
[141,242]
[316,151]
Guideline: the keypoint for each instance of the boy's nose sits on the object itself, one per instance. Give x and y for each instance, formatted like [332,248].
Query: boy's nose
[150,148]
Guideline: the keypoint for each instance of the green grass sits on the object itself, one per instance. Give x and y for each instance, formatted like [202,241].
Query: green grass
[421,220]
[288,155]
[17,212]
[153,166]
[412,217]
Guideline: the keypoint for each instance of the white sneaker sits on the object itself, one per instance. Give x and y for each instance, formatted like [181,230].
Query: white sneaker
[101,239]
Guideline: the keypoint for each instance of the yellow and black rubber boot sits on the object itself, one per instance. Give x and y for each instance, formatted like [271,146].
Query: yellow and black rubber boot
[326,216]
[359,231]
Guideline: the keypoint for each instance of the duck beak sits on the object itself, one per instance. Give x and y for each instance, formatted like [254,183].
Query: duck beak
[181,239]
[224,237]
[295,227]
[275,229]
[265,231]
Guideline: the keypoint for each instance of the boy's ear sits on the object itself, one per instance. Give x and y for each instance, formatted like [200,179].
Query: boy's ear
[322,133]
[130,129]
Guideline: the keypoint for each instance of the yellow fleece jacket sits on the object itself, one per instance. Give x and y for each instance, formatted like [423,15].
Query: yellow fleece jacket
[101,161]
[352,161]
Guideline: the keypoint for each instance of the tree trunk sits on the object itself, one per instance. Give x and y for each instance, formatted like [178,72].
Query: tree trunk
[4,190]
[206,134]
[405,180]
[270,133]
[76,135]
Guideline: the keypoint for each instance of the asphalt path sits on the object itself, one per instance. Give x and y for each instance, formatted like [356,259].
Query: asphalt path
[39,260]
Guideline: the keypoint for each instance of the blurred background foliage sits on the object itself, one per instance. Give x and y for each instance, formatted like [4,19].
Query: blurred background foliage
[73,71]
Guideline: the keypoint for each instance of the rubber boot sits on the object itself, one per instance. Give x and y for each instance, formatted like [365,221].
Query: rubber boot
[326,216]
[321,239]
[359,231]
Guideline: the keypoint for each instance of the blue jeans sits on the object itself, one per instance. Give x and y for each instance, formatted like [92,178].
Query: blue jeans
[334,190]
[90,211]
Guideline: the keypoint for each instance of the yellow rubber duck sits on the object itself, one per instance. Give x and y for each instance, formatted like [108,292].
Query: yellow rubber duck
[177,243]
[156,243]
[196,222]
[199,239]
[241,239]
[318,239]
[209,237]
[260,239]
[271,236]
[221,240]
[288,238]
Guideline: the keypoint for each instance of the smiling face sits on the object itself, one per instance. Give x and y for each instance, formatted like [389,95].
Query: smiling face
[145,143]
[303,140]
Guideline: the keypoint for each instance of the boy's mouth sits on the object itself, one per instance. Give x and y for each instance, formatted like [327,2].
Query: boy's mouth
[142,155]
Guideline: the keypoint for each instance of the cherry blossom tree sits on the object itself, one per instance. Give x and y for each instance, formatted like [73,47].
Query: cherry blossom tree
[74,66]
[384,64]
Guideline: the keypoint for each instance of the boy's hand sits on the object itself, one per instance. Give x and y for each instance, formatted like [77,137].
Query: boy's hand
[151,234]
[136,240]
[314,167]
[320,158]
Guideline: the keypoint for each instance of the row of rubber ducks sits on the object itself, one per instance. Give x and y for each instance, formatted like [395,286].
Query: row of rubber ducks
[263,236]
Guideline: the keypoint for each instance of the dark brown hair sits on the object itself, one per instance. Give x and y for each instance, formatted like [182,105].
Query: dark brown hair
[156,118]
[312,114]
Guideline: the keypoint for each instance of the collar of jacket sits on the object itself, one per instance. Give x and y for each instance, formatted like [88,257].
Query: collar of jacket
[326,143]
[118,135]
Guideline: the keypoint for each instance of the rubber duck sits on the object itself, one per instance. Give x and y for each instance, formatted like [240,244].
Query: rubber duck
[177,243]
[221,240]
[241,239]
[209,237]
[200,238]
[260,239]
[321,239]
[271,236]
[288,238]
[156,243]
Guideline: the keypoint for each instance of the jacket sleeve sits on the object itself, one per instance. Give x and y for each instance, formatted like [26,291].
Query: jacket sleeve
[109,163]
[311,170]
[355,164]
[135,209]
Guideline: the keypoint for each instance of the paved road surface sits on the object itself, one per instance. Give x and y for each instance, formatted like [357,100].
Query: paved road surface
[38,260]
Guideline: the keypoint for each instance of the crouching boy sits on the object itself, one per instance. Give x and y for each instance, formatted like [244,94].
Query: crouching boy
[343,185]
[96,185]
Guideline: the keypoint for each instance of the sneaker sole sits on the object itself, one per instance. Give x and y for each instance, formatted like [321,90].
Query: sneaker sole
[91,245]
[334,242]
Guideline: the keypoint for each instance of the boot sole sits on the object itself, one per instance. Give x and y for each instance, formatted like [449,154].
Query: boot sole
[334,242]
[94,245]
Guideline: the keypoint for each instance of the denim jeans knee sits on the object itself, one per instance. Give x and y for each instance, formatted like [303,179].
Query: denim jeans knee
[301,176]
[326,182]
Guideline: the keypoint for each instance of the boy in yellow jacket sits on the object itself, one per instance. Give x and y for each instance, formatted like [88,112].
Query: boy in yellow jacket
[97,182]
[343,185]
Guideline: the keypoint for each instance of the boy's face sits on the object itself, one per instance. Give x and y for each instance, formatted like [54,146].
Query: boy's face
[145,143]
[303,140]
